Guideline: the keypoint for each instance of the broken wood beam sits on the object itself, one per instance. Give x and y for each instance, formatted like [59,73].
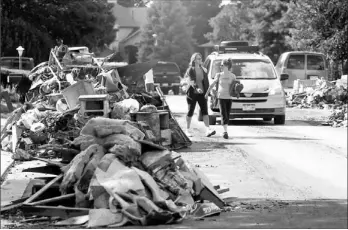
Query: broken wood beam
[61,211]
[53,199]
[43,189]
[223,190]
[49,161]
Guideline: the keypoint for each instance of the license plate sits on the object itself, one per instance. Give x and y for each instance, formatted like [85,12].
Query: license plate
[248,107]
[164,84]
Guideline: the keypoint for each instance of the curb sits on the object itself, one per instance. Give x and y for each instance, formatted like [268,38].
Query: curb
[7,168]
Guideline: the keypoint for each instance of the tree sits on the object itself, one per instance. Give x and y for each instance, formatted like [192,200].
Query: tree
[167,20]
[264,17]
[252,21]
[320,25]
[199,13]
[133,3]
[36,24]
[231,23]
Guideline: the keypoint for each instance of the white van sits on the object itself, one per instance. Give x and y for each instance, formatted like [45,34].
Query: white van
[263,95]
[302,65]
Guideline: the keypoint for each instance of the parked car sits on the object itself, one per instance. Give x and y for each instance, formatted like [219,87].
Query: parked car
[167,76]
[302,65]
[263,95]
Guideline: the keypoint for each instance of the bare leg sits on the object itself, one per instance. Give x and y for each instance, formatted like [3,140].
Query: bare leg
[188,122]
[206,121]
[225,128]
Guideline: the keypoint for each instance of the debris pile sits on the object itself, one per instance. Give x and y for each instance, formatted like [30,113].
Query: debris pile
[323,95]
[338,117]
[112,153]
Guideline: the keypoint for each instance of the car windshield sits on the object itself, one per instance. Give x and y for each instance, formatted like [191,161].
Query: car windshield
[167,68]
[248,69]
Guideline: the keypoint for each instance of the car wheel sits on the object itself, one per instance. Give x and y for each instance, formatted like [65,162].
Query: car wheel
[267,119]
[279,120]
[212,120]
[200,116]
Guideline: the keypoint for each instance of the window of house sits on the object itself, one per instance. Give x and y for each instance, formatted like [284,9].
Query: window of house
[315,62]
[296,62]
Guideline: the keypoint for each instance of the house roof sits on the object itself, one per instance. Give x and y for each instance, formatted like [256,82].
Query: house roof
[129,17]
[131,35]
[208,45]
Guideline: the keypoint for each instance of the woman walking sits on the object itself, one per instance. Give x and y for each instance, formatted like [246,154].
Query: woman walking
[197,86]
[224,81]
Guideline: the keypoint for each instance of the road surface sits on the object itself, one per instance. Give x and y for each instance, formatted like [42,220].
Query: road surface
[291,176]
[299,162]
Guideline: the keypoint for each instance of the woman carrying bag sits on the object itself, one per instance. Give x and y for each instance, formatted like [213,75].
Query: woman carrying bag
[197,84]
[224,82]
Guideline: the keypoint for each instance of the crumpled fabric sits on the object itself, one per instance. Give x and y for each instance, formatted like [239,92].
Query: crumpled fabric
[101,127]
[128,196]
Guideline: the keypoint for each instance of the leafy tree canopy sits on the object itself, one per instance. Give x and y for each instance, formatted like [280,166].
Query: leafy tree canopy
[199,13]
[35,24]
[133,3]
[252,21]
[320,25]
[169,21]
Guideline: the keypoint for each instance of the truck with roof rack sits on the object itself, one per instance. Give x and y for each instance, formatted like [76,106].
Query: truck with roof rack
[262,96]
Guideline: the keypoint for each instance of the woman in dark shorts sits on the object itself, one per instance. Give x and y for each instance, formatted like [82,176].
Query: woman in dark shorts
[197,85]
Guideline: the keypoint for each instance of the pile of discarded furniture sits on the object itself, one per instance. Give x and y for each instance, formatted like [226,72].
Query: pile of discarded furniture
[110,148]
[322,94]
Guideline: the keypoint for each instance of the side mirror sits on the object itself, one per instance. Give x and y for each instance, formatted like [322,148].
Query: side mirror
[284,76]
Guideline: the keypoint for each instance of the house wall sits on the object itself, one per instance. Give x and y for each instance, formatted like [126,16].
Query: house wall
[120,34]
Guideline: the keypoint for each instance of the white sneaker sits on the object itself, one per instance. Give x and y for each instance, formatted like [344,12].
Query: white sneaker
[188,133]
[210,133]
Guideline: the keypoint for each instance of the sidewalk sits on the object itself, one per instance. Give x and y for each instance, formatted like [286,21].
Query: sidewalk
[6,159]
[6,162]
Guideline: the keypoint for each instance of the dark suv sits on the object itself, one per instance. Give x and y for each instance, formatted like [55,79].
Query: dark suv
[166,75]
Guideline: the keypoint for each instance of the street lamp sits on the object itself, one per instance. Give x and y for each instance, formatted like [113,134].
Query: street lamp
[20,50]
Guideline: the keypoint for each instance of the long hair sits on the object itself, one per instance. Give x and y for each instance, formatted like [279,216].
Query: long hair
[193,58]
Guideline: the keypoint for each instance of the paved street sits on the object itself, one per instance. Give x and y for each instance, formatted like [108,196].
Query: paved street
[291,176]
[297,162]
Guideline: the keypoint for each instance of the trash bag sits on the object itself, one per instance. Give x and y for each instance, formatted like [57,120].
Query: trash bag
[130,105]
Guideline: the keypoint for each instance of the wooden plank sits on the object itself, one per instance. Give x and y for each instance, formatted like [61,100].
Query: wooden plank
[43,189]
[53,199]
[46,169]
[49,162]
[220,191]
[153,145]
[61,211]
[16,133]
